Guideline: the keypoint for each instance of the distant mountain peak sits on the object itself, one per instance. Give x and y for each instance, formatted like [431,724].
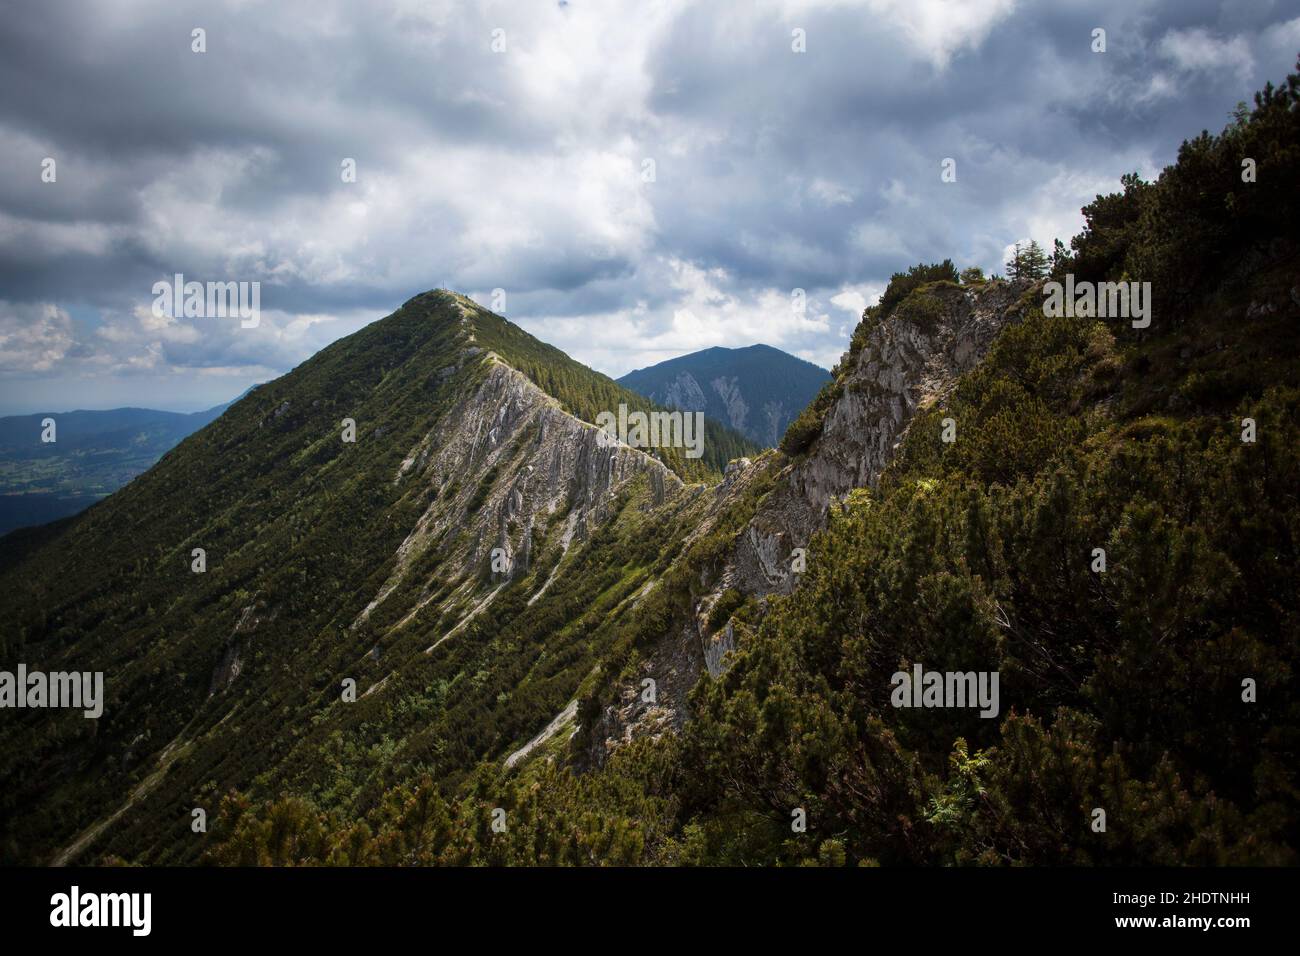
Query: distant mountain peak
[756,390]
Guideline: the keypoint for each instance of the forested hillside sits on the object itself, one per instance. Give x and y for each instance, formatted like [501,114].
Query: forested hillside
[1105,516]
[1156,686]
[407,487]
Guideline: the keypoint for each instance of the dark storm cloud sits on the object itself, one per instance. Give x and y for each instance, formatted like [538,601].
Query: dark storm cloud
[523,170]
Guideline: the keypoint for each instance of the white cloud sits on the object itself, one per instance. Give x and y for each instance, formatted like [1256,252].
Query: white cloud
[1197,49]
[1283,39]
[875,238]
[829,193]
[34,337]
[933,30]
[851,300]
[939,29]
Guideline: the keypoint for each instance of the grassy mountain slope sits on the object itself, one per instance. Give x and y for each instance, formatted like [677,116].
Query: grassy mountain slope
[328,561]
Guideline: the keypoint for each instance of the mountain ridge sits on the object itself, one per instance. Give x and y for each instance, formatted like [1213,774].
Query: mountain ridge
[897,366]
[374,559]
[1103,516]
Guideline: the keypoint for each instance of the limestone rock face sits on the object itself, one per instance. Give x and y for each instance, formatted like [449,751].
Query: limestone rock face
[728,390]
[538,463]
[776,417]
[907,363]
[904,366]
[734,468]
[684,392]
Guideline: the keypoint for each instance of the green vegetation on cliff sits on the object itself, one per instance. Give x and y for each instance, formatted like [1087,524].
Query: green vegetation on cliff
[239,667]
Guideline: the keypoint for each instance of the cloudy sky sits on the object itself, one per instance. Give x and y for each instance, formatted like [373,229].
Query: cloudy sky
[641,178]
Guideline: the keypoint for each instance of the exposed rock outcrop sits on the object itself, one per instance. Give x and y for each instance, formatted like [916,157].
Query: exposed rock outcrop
[539,465]
[231,664]
[728,390]
[907,363]
[684,392]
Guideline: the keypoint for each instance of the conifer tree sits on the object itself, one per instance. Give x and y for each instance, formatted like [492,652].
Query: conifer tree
[1027,261]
